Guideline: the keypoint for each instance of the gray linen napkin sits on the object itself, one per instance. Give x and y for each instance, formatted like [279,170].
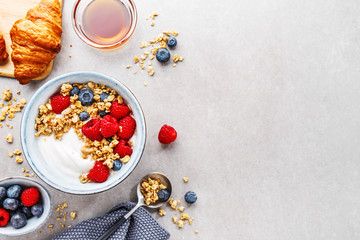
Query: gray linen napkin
[141,225]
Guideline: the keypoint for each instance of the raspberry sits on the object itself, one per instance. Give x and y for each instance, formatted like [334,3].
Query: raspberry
[99,173]
[4,217]
[127,127]
[109,126]
[59,103]
[167,134]
[30,197]
[92,129]
[123,149]
[118,110]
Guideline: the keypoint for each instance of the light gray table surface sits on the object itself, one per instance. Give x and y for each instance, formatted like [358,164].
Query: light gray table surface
[266,105]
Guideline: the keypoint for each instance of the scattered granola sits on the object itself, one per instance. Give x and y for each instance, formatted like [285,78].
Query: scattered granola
[153,15]
[173,203]
[9,110]
[9,138]
[185,179]
[19,159]
[10,154]
[6,95]
[17,152]
[180,223]
[62,216]
[149,189]
[151,48]
[184,217]
[177,58]
[161,212]
[151,70]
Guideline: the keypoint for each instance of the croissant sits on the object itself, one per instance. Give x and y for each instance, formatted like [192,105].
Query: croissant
[3,54]
[36,40]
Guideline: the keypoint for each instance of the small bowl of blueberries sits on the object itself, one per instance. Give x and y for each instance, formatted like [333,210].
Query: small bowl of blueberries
[25,205]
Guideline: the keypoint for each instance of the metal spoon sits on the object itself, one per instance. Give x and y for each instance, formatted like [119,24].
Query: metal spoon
[155,175]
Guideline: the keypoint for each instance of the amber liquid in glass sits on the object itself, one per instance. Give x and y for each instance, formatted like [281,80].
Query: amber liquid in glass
[106,21]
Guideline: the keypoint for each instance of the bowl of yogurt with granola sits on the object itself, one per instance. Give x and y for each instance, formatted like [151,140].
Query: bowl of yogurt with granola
[83,132]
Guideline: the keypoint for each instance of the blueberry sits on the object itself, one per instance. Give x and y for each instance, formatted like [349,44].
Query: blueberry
[74,91]
[190,197]
[109,139]
[163,55]
[171,42]
[117,165]
[27,212]
[2,193]
[10,204]
[12,213]
[84,115]
[163,195]
[13,191]
[37,210]
[104,96]
[86,97]
[103,113]
[18,220]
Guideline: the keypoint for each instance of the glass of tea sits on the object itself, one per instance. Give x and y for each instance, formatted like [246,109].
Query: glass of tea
[104,24]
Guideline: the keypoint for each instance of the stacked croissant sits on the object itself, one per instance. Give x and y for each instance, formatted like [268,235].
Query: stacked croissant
[36,40]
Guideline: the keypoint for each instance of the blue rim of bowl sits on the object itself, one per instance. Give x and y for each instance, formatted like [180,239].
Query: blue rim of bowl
[44,88]
[47,217]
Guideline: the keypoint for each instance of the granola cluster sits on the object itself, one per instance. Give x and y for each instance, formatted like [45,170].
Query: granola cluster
[149,189]
[9,109]
[9,138]
[18,157]
[48,123]
[6,95]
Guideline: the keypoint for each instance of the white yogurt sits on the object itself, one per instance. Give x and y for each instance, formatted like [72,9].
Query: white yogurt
[65,155]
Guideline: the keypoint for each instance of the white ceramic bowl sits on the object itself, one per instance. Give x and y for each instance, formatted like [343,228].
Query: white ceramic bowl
[33,223]
[38,162]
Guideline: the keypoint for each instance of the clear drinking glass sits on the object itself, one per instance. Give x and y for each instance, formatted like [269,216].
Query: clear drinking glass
[79,20]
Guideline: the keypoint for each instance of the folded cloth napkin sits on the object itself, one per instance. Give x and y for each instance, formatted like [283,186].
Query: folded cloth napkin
[141,225]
